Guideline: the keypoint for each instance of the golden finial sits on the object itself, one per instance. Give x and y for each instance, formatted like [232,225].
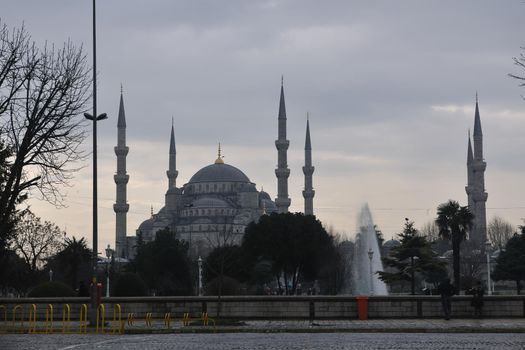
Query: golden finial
[152,211]
[121,89]
[219,156]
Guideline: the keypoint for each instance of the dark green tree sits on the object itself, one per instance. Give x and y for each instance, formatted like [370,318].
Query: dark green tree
[228,259]
[413,255]
[296,245]
[73,255]
[14,274]
[454,222]
[510,264]
[163,264]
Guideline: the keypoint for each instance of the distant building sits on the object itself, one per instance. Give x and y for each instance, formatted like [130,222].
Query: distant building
[217,203]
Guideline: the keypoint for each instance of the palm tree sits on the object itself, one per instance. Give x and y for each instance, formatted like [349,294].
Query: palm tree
[73,255]
[454,222]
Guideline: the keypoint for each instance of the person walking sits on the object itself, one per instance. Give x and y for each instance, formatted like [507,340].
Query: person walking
[477,299]
[446,289]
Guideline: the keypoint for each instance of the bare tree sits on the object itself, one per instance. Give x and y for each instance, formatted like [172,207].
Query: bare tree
[520,62]
[499,231]
[430,230]
[43,93]
[36,241]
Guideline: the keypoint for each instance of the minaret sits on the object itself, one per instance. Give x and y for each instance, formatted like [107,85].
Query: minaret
[476,187]
[470,175]
[282,172]
[172,174]
[121,206]
[308,170]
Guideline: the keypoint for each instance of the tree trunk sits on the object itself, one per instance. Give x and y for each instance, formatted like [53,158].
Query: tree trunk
[219,291]
[455,263]
[286,283]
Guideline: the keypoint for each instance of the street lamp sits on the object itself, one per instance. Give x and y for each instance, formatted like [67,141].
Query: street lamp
[487,251]
[370,256]
[94,117]
[199,262]
[50,275]
[109,253]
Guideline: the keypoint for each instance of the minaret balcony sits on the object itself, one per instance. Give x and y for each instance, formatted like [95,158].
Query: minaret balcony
[121,207]
[121,151]
[121,179]
[308,170]
[282,144]
[283,202]
[172,174]
[479,166]
[308,194]
[280,172]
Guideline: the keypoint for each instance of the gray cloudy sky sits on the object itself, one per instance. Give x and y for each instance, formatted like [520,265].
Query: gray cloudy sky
[389,85]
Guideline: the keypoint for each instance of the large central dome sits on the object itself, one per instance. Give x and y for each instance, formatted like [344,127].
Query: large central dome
[219,172]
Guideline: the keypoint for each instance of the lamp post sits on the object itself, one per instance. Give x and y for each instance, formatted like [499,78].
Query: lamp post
[489,283]
[109,253]
[370,256]
[50,275]
[94,117]
[199,262]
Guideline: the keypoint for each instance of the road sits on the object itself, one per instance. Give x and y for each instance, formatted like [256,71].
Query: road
[255,341]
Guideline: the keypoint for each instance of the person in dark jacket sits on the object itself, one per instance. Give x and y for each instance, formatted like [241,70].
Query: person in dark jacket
[477,299]
[446,289]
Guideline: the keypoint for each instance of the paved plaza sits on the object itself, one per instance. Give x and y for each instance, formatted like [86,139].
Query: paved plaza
[254,341]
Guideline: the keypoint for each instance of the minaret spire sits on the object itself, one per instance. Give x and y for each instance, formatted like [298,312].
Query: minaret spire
[282,172]
[477,197]
[308,170]
[172,173]
[121,178]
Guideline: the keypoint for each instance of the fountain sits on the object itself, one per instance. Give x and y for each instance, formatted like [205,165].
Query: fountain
[367,258]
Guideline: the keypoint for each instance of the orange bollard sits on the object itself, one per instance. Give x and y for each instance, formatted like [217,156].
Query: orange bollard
[362,307]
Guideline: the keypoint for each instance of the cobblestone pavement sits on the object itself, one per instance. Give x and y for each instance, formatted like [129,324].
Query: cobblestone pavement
[256,341]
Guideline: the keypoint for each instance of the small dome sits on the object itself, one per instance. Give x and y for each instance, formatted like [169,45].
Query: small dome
[146,225]
[219,172]
[391,243]
[209,202]
[264,195]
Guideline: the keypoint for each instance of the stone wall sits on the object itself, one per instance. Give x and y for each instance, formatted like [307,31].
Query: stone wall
[276,307]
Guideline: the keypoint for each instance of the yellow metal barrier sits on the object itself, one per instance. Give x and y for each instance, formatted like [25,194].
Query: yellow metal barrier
[83,318]
[32,319]
[21,308]
[49,318]
[204,318]
[66,318]
[149,316]
[131,318]
[117,319]
[101,314]
[167,319]
[186,319]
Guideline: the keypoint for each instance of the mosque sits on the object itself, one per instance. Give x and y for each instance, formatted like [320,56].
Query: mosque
[217,203]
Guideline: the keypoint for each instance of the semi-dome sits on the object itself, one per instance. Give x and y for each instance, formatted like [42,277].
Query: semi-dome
[146,225]
[219,172]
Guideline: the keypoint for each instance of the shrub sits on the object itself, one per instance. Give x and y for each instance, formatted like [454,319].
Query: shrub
[129,285]
[52,289]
